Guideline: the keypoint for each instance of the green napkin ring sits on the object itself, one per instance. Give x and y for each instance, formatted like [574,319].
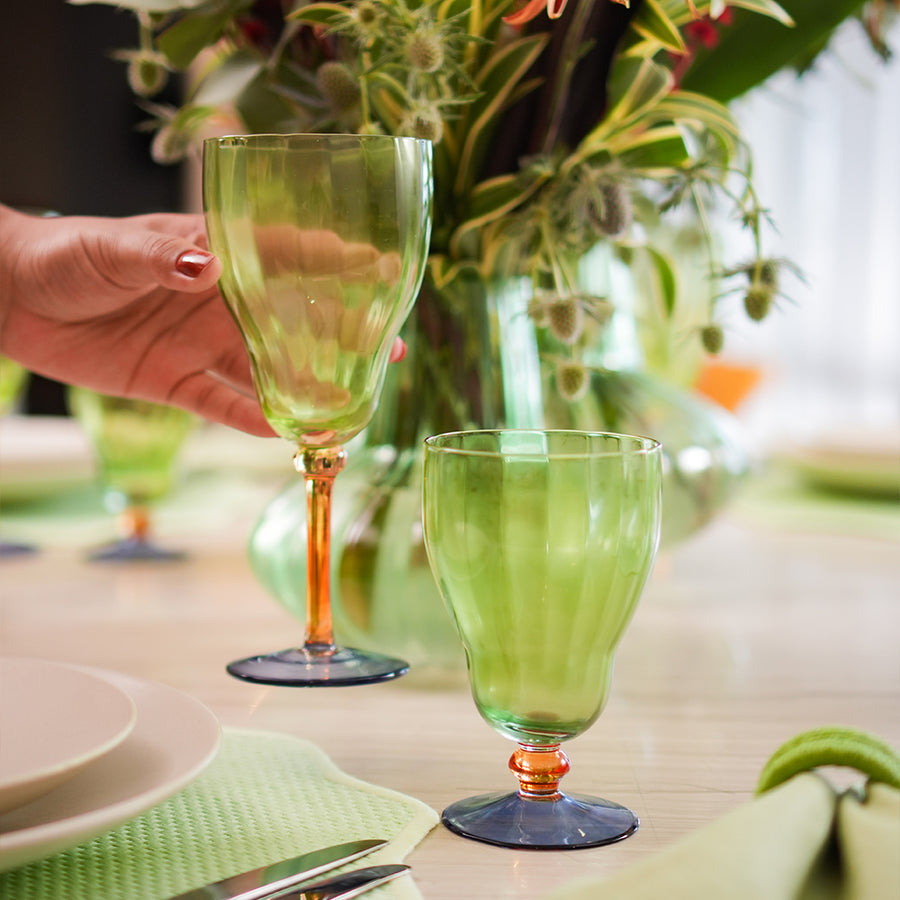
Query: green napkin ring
[832,746]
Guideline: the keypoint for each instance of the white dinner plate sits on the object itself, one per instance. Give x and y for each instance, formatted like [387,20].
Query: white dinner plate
[54,721]
[174,739]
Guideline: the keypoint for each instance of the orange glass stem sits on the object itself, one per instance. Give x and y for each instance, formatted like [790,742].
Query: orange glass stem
[539,770]
[135,524]
[319,466]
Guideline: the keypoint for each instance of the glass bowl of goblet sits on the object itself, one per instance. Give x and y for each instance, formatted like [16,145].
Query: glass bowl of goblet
[541,542]
[323,240]
[137,446]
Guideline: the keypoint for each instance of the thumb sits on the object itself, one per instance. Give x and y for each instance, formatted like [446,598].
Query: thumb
[147,258]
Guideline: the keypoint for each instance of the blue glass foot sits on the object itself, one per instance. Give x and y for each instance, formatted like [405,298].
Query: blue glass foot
[318,667]
[131,549]
[12,548]
[569,822]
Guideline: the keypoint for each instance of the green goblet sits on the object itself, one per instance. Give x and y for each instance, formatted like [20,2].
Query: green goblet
[541,542]
[13,380]
[323,240]
[136,445]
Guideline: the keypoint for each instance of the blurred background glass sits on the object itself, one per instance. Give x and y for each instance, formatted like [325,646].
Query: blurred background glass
[137,446]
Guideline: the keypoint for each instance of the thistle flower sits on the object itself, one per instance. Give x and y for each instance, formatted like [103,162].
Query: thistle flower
[616,211]
[572,380]
[148,71]
[170,144]
[565,319]
[713,338]
[424,121]
[339,86]
[758,302]
[425,52]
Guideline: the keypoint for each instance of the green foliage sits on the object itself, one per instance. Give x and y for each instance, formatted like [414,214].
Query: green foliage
[655,133]
[754,47]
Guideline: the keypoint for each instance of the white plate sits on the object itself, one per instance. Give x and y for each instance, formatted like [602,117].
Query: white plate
[54,721]
[174,740]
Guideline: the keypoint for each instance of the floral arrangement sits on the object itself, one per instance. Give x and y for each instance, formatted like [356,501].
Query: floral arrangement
[555,124]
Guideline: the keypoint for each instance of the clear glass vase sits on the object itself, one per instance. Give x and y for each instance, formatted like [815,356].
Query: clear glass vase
[477,360]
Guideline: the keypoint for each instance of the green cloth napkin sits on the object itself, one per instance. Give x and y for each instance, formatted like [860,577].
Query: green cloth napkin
[264,798]
[801,839]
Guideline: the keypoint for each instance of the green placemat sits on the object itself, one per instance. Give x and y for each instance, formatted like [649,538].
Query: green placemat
[265,797]
[777,499]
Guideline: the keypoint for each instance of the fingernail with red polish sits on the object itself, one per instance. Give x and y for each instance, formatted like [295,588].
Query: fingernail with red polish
[193,262]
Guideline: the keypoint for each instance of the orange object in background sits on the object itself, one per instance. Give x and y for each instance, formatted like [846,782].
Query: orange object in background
[727,384]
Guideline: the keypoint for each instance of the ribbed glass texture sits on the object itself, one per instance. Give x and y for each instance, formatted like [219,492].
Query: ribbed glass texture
[322,240]
[541,543]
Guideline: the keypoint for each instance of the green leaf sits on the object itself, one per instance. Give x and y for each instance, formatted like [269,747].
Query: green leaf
[194,32]
[328,14]
[226,82]
[263,110]
[765,8]
[664,281]
[754,47]
[699,112]
[657,152]
[498,82]
[443,272]
[149,6]
[495,198]
[652,23]
[636,85]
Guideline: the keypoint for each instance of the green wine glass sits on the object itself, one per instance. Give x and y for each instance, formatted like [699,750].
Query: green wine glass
[13,381]
[323,240]
[541,543]
[136,446]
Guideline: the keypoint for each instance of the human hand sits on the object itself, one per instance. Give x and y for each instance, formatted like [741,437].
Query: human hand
[126,306]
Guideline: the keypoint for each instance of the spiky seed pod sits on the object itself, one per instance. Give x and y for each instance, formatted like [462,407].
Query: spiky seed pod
[565,319]
[339,86]
[713,338]
[423,122]
[425,51]
[169,145]
[367,17]
[768,274]
[572,380]
[758,302]
[147,72]
[366,13]
[614,217]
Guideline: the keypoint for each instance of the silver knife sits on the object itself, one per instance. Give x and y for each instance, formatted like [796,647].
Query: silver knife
[342,887]
[267,880]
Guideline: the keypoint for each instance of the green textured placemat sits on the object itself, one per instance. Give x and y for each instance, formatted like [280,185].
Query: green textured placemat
[265,797]
[778,500]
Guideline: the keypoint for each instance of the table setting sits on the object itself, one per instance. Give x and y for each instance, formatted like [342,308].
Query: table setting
[723,710]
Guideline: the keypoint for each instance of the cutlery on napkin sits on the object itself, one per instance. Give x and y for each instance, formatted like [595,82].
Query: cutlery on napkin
[343,887]
[267,881]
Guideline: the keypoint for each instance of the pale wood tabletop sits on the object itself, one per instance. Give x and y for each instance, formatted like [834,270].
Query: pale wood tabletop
[745,636]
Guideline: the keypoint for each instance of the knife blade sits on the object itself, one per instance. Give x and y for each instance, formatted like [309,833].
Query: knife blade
[343,887]
[267,880]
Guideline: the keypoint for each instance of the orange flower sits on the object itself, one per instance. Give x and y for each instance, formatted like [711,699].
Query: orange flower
[533,8]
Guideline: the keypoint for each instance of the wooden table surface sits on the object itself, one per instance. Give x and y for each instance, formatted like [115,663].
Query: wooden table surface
[745,636]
